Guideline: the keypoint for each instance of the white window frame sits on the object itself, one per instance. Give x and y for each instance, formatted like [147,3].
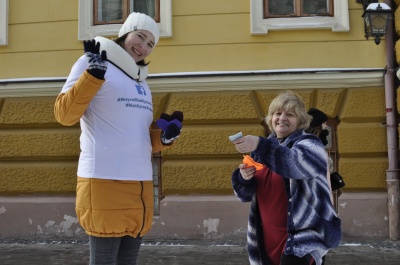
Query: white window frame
[338,23]
[86,29]
[3,22]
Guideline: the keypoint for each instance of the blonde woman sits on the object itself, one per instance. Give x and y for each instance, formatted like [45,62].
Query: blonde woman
[292,220]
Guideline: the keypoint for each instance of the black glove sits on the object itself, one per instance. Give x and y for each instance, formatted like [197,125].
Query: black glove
[97,62]
[171,126]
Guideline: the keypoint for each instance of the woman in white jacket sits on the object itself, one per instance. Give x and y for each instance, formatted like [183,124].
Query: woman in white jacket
[106,91]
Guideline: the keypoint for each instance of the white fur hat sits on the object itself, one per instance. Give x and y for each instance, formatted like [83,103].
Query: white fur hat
[139,21]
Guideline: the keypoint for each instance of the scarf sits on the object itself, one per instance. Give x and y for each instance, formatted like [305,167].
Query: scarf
[122,60]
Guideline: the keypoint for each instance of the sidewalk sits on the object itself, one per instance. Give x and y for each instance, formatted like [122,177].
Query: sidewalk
[350,252]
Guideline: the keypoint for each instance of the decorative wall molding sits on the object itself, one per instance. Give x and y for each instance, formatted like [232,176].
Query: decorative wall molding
[218,81]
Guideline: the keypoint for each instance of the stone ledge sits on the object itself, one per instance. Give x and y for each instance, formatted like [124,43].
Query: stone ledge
[363,214]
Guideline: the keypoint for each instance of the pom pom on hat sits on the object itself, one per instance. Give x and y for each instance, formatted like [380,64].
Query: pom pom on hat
[318,117]
[139,21]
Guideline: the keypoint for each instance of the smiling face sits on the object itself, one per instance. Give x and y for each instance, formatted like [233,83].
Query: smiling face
[284,123]
[286,114]
[139,44]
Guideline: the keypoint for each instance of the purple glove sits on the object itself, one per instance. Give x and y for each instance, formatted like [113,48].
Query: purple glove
[175,115]
[171,126]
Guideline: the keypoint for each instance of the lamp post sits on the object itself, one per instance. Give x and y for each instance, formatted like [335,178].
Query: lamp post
[378,22]
[392,173]
[376,18]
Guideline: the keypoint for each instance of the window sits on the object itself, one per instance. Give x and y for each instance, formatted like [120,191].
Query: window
[116,11]
[331,147]
[3,22]
[104,17]
[333,152]
[156,161]
[297,8]
[268,15]
[157,183]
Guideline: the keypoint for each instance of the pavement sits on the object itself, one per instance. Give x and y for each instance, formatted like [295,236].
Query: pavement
[352,251]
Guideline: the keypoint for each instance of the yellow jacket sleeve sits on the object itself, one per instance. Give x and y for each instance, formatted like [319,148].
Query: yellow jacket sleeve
[69,107]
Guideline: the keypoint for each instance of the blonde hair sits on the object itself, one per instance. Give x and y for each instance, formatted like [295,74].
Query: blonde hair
[289,101]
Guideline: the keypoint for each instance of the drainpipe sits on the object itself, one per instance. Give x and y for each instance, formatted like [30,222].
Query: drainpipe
[392,173]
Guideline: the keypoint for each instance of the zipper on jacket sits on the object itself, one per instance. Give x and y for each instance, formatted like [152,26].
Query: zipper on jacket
[144,208]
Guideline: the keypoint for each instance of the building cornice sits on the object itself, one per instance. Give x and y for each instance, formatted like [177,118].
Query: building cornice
[218,81]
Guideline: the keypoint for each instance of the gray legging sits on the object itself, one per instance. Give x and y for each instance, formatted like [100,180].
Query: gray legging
[114,250]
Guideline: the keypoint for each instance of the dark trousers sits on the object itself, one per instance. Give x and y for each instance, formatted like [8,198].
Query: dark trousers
[114,250]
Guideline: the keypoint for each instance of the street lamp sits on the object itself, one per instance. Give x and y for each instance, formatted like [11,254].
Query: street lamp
[376,17]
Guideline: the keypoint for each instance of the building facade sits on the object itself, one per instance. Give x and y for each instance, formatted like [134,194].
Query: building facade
[221,63]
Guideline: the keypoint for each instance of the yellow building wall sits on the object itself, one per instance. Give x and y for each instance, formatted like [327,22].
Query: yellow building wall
[40,156]
[207,36]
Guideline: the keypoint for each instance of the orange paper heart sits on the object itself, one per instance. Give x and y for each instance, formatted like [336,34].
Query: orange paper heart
[251,163]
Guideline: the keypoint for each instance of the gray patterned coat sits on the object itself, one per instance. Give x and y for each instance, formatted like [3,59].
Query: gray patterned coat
[312,225]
